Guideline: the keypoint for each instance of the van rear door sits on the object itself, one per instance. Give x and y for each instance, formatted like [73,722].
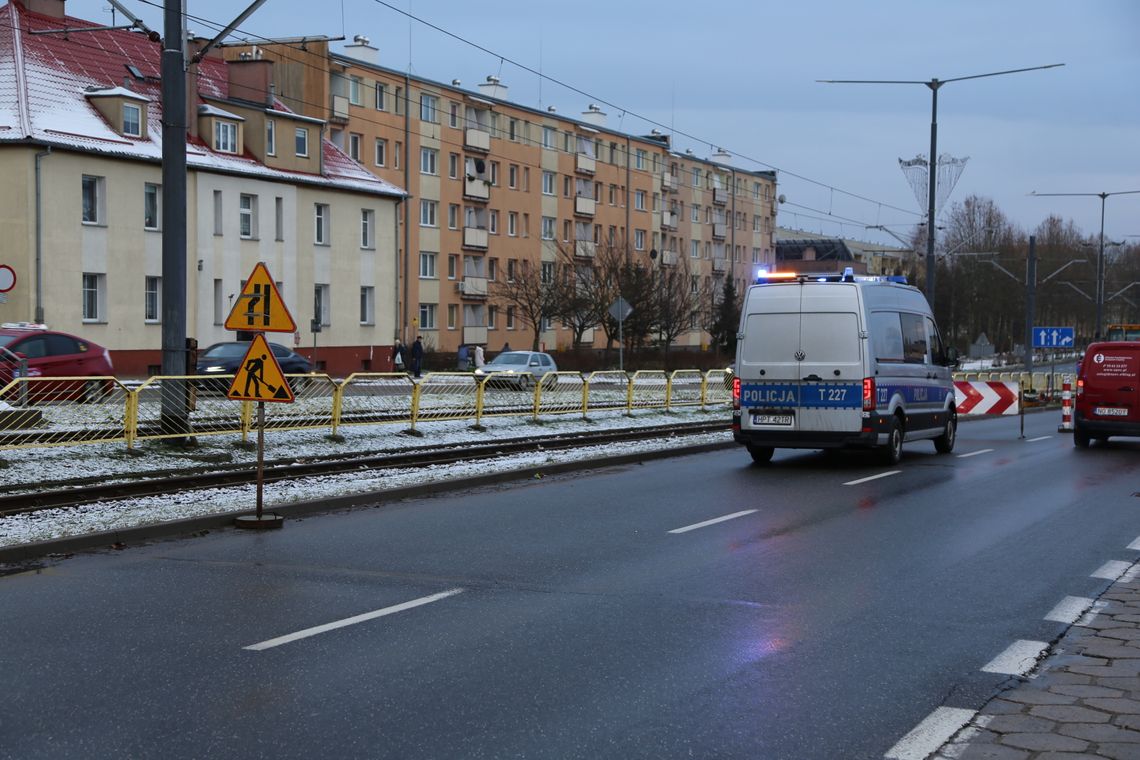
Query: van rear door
[1112,383]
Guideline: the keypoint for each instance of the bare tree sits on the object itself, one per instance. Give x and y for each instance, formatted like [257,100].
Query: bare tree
[530,291]
[676,301]
[583,294]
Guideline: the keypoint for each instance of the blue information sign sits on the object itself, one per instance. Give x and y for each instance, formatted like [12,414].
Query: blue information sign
[1053,337]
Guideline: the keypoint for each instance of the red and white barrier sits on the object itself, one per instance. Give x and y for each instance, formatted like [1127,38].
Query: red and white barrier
[1066,425]
[981,397]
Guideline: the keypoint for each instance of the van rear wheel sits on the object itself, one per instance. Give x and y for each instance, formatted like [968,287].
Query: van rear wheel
[1081,438]
[944,443]
[892,451]
[761,454]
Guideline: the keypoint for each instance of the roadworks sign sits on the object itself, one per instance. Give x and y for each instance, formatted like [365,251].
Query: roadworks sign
[260,307]
[259,378]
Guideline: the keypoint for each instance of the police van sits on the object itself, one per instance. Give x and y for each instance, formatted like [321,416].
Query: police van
[841,361]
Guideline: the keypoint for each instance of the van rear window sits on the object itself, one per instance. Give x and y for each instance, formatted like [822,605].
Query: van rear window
[830,337]
[771,338]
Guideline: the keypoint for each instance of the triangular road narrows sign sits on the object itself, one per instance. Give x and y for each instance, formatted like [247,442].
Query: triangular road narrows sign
[260,307]
[259,378]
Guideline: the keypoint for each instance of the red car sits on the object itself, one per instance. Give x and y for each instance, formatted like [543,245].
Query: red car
[49,353]
[1108,392]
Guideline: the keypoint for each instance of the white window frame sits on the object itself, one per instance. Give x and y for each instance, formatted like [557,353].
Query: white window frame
[381,95]
[225,136]
[354,141]
[152,206]
[429,161]
[429,108]
[247,216]
[301,142]
[549,224]
[639,240]
[428,269]
[322,224]
[381,152]
[367,305]
[367,228]
[94,296]
[93,191]
[429,213]
[548,182]
[427,316]
[132,127]
[354,83]
[322,303]
[271,137]
[152,300]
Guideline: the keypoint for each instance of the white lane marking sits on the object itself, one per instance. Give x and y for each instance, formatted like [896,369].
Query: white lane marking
[714,521]
[873,477]
[1039,438]
[1135,544]
[1069,609]
[1017,659]
[1092,613]
[351,621]
[963,737]
[974,453]
[1112,570]
[934,731]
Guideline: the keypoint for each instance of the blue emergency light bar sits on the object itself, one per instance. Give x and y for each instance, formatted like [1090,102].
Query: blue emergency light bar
[763,277]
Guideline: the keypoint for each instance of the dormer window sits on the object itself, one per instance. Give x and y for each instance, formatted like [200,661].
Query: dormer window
[225,136]
[132,120]
[302,142]
[270,137]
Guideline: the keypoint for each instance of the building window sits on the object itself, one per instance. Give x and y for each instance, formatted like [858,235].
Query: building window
[453,115]
[639,200]
[427,265]
[428,105]
[322,305]
[398,97]
[492,312]
[548,183]
[510,317]
[381,93]
[152,206]
[399,152]
[279,218]
[452,316]
[694,249]
[270,137]
[548,223]
[453,216]
[132,120]
[94,296]
[428,211]
[225,137]
[92,199]
[547,272]
[512,223]
[429,159]
[453,165]
[247,216]
[367,228]
[367,305]
[354,90]
[152,299]
[639,158]
[301,140]
[513,176]
[427,316]
[548,134]
[493,222]
[322,233]
[354,145]
[218,218]
[639,240]
[512,264]
[381,152]
[452,265]
[219,303]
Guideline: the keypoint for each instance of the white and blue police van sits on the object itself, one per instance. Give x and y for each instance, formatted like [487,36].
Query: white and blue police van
[840,361]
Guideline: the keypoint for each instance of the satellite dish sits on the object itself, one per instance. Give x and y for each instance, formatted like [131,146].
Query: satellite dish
[781,198]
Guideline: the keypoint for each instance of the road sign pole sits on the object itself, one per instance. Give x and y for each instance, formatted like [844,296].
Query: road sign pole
[260,456]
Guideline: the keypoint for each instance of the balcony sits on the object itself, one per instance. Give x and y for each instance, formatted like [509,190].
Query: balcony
[477,139]
[476,188]
[584,206]
[720,196]
[669,259]
[720,230]
[475,237]
[475,336]
[472,287]
[668,183]
[585,248]
[585,164]
[720,265]
[669,220]
[339,108]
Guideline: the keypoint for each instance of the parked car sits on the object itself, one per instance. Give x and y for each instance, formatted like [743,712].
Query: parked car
[225,359]
[1108,392]
[519,369]
[49,353]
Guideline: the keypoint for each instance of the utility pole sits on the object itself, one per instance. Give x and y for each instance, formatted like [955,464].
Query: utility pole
[1030,303]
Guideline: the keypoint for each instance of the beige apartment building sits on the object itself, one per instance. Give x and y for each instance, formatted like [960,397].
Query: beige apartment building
[493,184]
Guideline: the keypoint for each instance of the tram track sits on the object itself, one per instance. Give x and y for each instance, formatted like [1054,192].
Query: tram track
[81,491]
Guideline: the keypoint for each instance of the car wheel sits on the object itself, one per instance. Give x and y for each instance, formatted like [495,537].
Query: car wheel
[96,391]
[1081,438]
[944,443]
[526,382]
[892,452]
[761,454]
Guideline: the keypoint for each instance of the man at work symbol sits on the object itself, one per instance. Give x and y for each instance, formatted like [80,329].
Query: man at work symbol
[255,371]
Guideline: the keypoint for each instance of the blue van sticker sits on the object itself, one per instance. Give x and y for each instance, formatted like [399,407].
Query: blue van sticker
[805,396]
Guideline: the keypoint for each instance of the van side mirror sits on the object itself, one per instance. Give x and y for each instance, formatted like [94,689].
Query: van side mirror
[952,357]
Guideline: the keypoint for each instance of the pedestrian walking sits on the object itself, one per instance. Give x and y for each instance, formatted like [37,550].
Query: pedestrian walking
[461,357]
[479,357]
[399,358]
[417,357]
[506,347]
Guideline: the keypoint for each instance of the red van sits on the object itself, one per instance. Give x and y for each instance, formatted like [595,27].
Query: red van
[1108,392]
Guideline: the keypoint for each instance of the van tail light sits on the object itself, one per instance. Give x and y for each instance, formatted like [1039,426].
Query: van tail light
[736,393]
[868,394]
[1080,386]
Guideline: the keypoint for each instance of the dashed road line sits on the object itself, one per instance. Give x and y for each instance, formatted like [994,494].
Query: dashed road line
[713,521]
[1039,438]
[1135,544]
[872,477]
[974,453]
[1017,659]
[1112,570]
[1069,609]
[291,637]
[934,731]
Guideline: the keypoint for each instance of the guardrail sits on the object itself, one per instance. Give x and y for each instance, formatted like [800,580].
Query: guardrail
[37,412]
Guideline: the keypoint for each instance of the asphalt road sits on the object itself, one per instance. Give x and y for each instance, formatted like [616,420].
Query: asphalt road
[561,618]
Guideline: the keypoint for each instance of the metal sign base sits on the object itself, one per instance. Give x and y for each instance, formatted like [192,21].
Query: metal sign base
[266,521]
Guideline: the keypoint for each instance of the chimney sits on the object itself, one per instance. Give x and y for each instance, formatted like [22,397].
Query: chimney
[721,156]
[594,115]
[361,49]
[251,78]
[53,8]
[492,88]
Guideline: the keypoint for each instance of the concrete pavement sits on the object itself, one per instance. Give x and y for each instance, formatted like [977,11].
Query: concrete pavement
[1082,701]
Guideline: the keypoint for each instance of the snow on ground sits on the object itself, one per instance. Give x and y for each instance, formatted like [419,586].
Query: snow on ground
[110,462]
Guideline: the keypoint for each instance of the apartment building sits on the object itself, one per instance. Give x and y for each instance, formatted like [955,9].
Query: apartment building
[81,207]
[495,185]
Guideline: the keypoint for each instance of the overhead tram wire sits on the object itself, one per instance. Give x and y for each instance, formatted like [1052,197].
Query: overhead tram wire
[575,89]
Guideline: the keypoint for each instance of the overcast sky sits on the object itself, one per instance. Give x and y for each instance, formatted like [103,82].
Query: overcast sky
[742,74]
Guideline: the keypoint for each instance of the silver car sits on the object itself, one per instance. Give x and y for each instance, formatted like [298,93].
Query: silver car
[518,369]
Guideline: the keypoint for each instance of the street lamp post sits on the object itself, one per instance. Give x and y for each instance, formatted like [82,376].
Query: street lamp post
[1099,300]
[934,85]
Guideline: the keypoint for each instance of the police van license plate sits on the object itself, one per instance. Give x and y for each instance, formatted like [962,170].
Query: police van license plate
[771,419]
[1110,411]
